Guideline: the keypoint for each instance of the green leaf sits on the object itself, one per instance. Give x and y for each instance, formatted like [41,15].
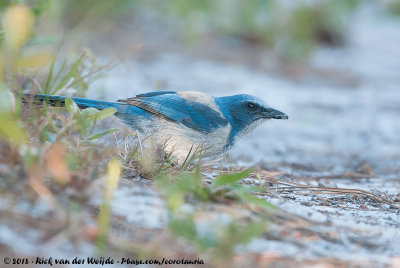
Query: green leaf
[7,100]
[227,179]
[102,133]
[256,201]
[133,153]
[71,106]
[102,114]
[192,183]
[175,198]
[51,39]
[11,131]
[86,113]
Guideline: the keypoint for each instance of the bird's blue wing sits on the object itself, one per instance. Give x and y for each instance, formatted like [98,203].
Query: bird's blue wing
[170,106]
[156,93]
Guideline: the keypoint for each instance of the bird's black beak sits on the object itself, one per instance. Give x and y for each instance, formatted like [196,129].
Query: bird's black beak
[270,113]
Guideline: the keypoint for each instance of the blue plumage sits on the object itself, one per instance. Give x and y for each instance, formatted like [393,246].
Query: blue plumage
[181,120]
[171,106]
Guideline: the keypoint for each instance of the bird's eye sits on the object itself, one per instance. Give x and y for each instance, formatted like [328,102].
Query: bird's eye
[251,106]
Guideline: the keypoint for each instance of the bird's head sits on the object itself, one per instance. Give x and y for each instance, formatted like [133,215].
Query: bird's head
[245,112]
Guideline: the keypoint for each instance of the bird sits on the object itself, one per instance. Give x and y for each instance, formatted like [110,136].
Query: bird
[181,121]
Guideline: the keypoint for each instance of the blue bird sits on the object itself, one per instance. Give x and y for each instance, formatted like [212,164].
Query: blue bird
[181,121]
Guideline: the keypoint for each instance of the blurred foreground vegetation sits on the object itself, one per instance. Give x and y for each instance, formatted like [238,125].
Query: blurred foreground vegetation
[54,154]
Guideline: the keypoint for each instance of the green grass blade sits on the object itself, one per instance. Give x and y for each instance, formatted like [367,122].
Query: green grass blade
[70,73]
[57,76]
[227,179]
[102,114]
[50,75]
[102,133]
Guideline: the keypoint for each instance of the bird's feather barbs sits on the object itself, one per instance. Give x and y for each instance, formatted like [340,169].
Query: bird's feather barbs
[195,111]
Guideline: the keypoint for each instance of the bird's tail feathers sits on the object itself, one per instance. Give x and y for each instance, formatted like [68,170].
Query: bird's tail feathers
[59,101]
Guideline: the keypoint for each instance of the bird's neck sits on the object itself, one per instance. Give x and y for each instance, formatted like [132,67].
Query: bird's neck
[237,128]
